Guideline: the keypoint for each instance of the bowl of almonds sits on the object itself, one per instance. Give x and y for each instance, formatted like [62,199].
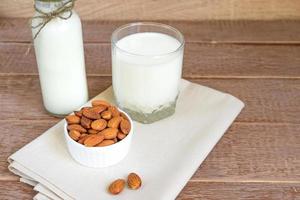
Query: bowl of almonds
[99,135]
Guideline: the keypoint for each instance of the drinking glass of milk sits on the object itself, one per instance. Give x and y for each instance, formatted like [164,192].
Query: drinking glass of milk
[146,69]
[57,34]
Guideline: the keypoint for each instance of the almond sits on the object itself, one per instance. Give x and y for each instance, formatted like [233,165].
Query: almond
[77,127]
[121,136]
[89,113]
[105,143]
[92,131]
[99,124]
[73,119]
[84,108]
[124,116]
[99,109]
[100,103]
[106,115]
[78,113]
[83,138]
[85,122]
[125,126]
[75,135]
[114,111]
[134,181]
[117,186]
[83,135]
[114,122]
[110,133]
[93,140]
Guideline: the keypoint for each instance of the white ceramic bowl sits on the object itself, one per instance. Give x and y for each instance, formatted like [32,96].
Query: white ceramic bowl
[99,156]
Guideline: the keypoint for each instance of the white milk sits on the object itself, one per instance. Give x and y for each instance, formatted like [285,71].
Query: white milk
[60,59]
[150,82]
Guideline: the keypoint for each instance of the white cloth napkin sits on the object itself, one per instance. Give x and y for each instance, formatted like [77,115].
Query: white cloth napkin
[165,154]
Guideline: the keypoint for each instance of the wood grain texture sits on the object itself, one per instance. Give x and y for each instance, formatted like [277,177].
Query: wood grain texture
[220,31]
[201,60]
[169,9]
[12,140]
[193,191]
[243,191]
[246,153]
[254,153]
[12,190]
[267,100]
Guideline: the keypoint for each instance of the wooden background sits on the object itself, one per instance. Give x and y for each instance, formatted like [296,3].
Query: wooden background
[168,9]
[248,48]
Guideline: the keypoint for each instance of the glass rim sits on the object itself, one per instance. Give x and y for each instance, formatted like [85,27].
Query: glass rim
[165,26]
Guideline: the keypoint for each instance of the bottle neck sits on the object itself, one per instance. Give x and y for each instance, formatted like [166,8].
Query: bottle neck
[48,6]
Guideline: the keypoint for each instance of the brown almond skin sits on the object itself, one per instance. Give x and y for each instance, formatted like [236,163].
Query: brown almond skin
[89,113]
[73,119]
[78,113]
[121,136]
[82,109]
[99,124]
[83,135]
[110,133]
[92,131]
[75,135]
[125,126]
[117,186]
[124,116]
[76,127]
[114,111]
[83,138]
[93,140]
[134,181]
[105,143]
[100,103]
[106,115]
[99,109]
[85,122]
[114,122]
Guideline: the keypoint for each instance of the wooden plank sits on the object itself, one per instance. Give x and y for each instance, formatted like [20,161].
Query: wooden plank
[168,9]
[265,146]
[14,135]
[246,153]
[267,100]
[245,191]
[192,191]
[254,153]
[221,31]
[201,60]
[12,190]
[16,96]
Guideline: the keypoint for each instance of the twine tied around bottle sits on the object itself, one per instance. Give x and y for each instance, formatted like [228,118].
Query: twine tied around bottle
[47,17]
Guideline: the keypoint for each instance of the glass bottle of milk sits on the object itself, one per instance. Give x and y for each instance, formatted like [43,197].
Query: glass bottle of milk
[60,56]
[146,68]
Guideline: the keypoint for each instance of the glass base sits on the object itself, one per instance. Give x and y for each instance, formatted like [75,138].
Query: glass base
[148,118]
[56,115]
